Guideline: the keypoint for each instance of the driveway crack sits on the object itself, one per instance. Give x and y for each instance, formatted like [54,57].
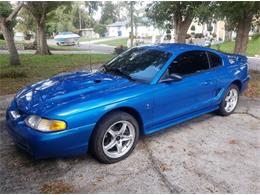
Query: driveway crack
[245,112]
[156,166]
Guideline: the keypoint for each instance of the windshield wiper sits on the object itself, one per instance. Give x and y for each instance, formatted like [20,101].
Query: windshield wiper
[117,71]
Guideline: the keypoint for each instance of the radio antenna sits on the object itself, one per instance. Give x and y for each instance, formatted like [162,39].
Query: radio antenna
[90,62]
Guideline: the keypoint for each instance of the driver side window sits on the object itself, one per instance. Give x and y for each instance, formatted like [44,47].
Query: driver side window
[188,63]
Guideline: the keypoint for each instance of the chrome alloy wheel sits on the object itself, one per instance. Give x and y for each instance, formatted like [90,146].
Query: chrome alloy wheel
[231,100]
[118,139]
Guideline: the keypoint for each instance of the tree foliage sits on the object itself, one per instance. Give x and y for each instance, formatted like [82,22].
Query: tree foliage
[5,9]
[179,15]
[40,11]
[239,17]
[233,12]
[109,13]
[100,29]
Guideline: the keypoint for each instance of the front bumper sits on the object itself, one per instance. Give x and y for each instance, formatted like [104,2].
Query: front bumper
[245,84]
[47,145]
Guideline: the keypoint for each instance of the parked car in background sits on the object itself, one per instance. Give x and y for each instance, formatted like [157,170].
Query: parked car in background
[141,91]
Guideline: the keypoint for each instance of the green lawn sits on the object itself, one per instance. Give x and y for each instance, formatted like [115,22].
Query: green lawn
[2,42]
[36,67]
[116,42]
[253,47]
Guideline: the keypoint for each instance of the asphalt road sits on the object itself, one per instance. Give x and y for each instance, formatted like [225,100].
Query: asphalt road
[85,49]
[210,154]
[93,48]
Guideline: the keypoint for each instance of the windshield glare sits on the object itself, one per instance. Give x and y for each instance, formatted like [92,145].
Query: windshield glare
[139,63]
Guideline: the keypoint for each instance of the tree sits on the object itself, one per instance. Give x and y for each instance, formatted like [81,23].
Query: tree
[109,13]
[25,23]
[7,16]
[100,29]
[61,19]
[239,17]
[39,11]
[92,6]
[179,15]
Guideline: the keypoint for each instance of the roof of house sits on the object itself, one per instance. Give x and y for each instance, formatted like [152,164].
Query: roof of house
[117,24]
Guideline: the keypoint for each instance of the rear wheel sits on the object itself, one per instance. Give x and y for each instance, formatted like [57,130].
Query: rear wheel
[230,101]
[115,137]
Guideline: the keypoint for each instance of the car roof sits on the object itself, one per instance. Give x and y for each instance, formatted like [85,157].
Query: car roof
[177,48]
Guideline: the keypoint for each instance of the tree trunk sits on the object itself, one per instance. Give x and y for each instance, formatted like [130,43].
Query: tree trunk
[42,47]
[9,39]
[181,29]
[242,35]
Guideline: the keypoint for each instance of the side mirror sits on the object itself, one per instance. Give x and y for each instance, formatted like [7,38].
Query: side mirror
[172,78]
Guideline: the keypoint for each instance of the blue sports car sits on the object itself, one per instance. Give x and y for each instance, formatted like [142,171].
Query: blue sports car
[141,91]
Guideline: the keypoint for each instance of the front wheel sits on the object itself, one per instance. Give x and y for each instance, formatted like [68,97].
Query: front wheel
[230,101]
[115,137]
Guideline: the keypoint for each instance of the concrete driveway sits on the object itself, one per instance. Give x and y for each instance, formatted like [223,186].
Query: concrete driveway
[210,154]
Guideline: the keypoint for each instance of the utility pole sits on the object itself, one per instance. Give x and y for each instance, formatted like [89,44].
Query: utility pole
[132,25]
[79,19]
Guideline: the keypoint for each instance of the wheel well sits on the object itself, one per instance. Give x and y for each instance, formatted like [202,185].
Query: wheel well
[130,111]
[238,83]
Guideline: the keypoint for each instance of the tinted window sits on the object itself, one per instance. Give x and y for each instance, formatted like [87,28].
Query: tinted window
[215,60]
[189,62]
[139,63]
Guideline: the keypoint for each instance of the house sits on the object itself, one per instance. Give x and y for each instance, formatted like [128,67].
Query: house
[216,28]
[118,29]
[19,36]
[123,29]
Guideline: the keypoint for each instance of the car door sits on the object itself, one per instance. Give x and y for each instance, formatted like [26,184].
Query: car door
[193,93]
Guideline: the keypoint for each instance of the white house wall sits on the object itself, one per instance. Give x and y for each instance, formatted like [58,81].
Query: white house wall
[142,31]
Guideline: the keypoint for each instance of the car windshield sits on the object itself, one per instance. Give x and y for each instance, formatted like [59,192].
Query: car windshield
[138,63]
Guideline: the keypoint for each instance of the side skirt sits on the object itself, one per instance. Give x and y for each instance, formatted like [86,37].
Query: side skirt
[180,119]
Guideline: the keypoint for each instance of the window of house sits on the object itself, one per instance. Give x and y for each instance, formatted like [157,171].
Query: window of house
[189,62]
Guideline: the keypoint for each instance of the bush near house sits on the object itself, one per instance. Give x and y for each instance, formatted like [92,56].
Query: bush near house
[198,35]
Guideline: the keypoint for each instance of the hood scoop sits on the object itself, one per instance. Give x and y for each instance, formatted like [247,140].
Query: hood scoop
[97,81]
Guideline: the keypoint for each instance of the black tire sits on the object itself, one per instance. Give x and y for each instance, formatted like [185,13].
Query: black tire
[100,131]
[221,109]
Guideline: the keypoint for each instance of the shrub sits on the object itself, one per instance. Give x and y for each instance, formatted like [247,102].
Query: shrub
[198,35]
[12,72]
[120,49]
[188,36]
[2,36]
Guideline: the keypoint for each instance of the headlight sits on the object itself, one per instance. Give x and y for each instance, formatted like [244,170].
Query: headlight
[45,125]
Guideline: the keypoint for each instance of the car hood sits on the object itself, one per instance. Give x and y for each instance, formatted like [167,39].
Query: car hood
[69,88]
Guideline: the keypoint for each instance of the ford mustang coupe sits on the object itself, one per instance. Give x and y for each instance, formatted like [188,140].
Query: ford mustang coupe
[141,91]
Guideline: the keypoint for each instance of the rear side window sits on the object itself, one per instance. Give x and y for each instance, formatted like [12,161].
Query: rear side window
[215,60]
[189,62]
